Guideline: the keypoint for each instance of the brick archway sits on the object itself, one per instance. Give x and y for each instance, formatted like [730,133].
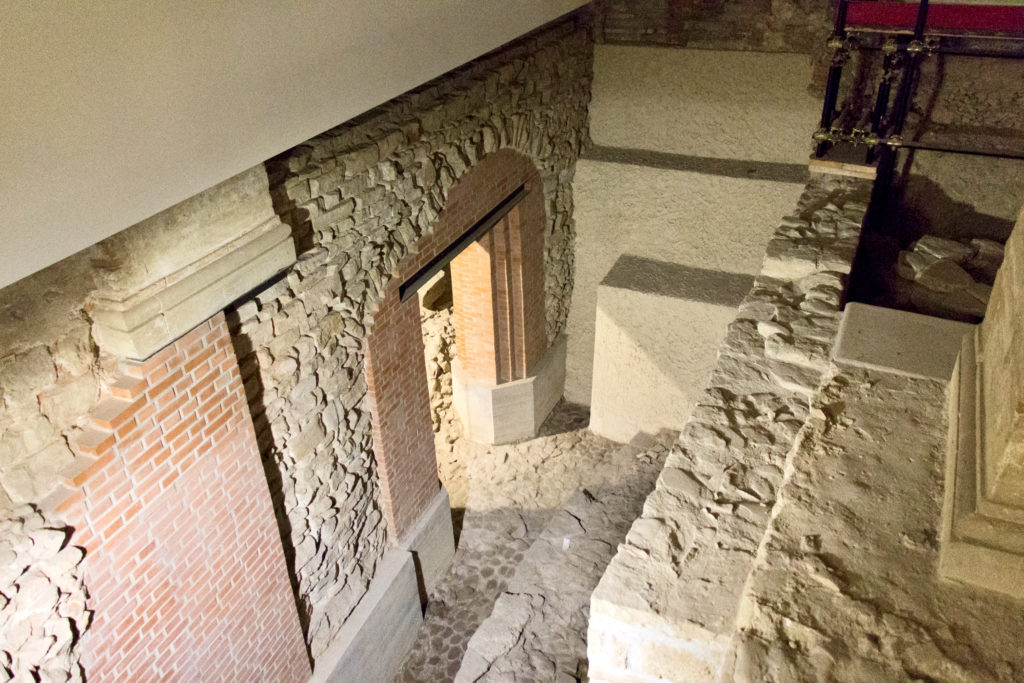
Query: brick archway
[498,286]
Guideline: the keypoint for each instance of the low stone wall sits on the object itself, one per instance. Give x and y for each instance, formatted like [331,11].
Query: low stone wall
[666,607]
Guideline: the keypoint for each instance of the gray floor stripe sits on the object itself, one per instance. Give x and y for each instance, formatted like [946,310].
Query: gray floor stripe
[733,168]
[678,281]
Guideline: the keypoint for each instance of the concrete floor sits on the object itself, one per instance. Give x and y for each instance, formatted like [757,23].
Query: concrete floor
[692,107]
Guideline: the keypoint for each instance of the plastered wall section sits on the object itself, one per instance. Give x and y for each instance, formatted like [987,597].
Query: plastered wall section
[1002,376]
[361,199]
[184,566]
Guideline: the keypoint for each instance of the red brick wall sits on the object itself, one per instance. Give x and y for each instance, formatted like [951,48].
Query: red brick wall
[476,312]
[183,556]
[399,399]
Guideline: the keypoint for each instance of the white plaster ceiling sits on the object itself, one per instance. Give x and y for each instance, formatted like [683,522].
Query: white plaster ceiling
[113,111]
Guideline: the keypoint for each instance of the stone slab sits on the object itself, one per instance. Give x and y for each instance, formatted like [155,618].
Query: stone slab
[371,645]
[904,343]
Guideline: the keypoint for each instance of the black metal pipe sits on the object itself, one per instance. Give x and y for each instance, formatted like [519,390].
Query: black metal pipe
[882,99]
[835,74]
[887,158]
[906,90]
[959,150]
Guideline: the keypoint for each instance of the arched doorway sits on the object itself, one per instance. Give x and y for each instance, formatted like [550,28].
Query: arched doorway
[506,379]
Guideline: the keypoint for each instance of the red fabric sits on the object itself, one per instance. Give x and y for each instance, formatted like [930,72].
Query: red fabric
[987,18]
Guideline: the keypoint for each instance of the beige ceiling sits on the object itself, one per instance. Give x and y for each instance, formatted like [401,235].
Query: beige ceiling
[112,111]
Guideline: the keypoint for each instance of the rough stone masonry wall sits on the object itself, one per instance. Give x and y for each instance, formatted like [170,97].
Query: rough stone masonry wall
[765,25]
[43,610]
[359,197]
[666,606]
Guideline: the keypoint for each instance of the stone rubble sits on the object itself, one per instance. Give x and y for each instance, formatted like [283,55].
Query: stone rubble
[43,602]
[537,630]
[950,278]
[513,493]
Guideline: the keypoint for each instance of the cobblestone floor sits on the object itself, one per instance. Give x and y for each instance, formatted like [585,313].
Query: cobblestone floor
[509,493]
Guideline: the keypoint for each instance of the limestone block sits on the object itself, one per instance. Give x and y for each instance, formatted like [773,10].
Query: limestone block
[891,340]
[431,541]
[389,613]
[135,324]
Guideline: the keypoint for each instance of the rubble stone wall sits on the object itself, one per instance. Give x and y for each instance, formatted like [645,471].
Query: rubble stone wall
[43,610]
[765,25]
[360,198]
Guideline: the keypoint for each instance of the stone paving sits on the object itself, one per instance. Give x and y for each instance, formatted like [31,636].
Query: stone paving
[510,494]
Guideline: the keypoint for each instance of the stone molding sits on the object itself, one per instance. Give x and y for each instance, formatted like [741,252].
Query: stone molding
[982,539]
[137,324]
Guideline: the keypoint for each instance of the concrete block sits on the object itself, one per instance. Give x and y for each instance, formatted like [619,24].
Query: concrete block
[431,540]
[657,334]
[372,644]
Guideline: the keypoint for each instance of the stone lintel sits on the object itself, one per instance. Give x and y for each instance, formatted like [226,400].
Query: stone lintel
[503,413]
[137,324]
[982,540]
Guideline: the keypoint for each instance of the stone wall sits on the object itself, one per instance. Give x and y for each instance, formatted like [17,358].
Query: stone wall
[359,198]
[666,607]
[439,348]
[43,611]
[767,25]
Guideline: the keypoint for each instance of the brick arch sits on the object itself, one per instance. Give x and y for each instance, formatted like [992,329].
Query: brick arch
[498,285]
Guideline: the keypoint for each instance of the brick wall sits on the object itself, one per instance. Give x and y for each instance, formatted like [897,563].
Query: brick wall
[397,383]
[184,565]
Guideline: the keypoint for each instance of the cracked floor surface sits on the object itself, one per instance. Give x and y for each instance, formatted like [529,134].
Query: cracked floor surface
[510,493]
